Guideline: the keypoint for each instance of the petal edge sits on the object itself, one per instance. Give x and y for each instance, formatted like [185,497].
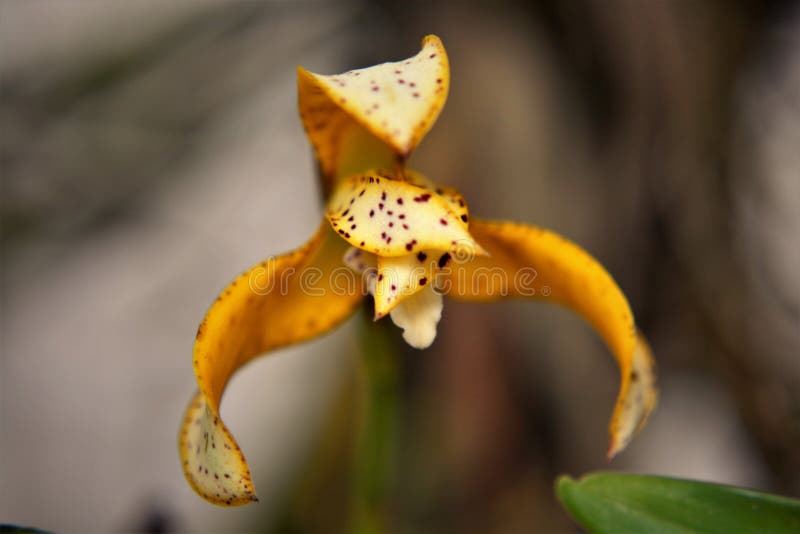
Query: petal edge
[276,303]
[397,102]
[530,262]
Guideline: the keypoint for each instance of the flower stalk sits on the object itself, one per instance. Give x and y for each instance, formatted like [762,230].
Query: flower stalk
[376,451]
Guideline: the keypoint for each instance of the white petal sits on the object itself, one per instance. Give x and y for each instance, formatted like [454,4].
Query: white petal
[359,260]
[418,316]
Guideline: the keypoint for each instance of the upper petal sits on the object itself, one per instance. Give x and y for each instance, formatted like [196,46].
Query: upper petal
[532,262]
[396,102]
[283,300]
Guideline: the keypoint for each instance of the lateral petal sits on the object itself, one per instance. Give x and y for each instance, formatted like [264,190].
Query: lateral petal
[396,102]
[281,301]
[393,218]
[535,263]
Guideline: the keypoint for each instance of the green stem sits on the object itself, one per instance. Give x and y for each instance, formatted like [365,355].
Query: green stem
[376,447]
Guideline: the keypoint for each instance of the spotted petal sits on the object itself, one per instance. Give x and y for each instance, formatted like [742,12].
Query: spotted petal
[458,204]
[393,218]
[397,103]
[531,262]
[283,300]
[400,277]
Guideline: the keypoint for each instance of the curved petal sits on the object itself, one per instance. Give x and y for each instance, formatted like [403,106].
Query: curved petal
[394,218]
[397,103]
[526,261]
[283,300]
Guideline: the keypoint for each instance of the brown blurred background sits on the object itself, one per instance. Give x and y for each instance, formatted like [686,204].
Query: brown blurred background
[152,150]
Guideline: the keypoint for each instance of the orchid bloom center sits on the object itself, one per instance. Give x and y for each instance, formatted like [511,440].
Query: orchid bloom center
[404,234]
[411,240]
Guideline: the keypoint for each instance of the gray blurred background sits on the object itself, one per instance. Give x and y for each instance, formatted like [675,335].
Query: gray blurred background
[152,150]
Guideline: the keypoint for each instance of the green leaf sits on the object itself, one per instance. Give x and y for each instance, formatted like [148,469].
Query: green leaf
[615,502]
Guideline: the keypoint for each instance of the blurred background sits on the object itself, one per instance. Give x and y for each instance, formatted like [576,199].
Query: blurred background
[152,150]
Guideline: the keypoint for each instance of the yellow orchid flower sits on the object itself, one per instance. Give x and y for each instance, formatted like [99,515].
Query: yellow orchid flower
[390,232]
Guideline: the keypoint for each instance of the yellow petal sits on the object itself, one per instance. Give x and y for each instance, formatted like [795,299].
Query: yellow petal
[452,195]
[394,218]
[396,102]
[343,147]
[402,276]
[531,262]
[281,301]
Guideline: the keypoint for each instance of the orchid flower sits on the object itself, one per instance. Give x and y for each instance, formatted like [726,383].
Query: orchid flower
[409,242]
